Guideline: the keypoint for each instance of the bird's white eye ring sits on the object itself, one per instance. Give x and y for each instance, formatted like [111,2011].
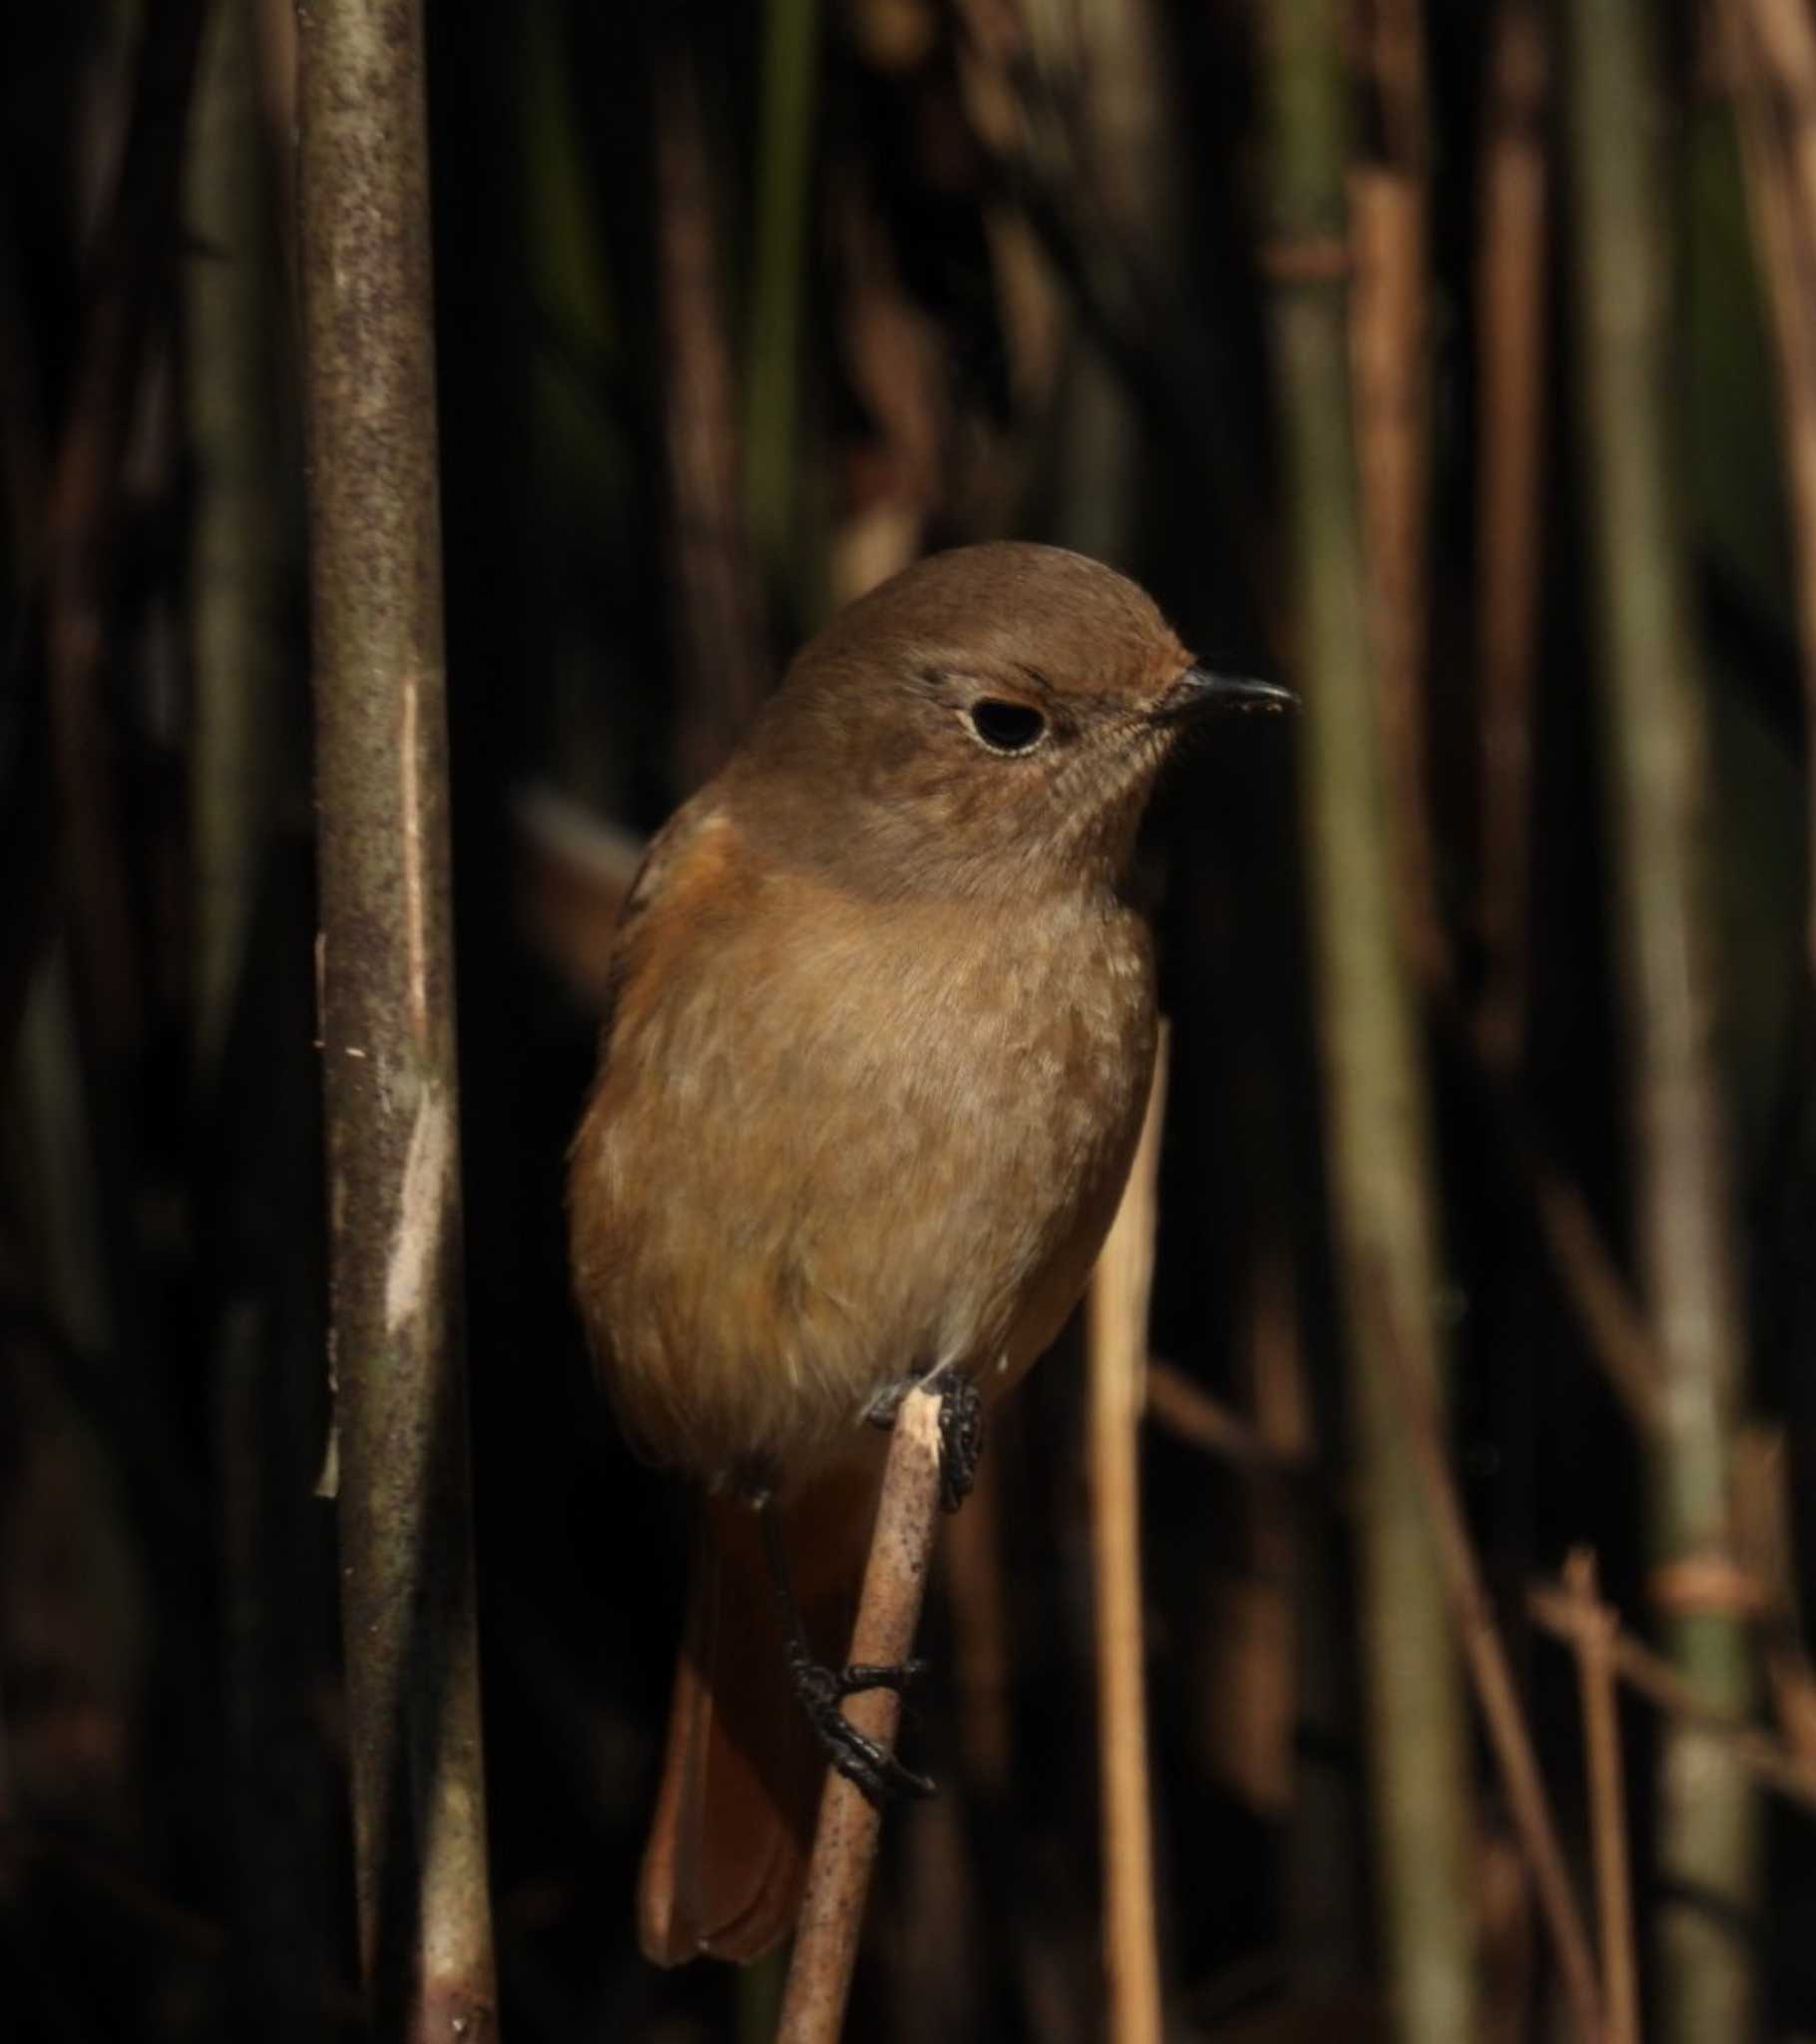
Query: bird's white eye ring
[1006,726]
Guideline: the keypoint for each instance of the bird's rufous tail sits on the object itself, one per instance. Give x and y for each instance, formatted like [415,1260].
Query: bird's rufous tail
[727,1851]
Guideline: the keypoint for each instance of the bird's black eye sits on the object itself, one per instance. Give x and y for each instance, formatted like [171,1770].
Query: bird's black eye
[1007,726]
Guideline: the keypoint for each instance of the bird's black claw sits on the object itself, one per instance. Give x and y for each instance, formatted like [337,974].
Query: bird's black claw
[961,1429]
[961,1439]
[870,1768]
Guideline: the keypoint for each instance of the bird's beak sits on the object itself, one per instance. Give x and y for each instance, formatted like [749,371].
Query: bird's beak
[1199,690]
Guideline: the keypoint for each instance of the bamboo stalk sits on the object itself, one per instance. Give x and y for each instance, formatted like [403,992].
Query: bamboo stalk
[850,1825]
[1117,1342]
[1656,774]
[1374,1103]
[386,991]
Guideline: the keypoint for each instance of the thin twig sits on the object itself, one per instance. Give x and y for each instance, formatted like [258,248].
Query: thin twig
[846,1842]
[1596,1627]
[1653,1676]
[1507,1732]
[1187,1409]
[1117,1342]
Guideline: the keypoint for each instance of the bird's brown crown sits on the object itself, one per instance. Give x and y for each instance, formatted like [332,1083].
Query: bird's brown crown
[989,722]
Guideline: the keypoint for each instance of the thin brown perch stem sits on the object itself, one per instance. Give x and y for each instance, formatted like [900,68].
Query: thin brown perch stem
[846,1842]
[387,979]
[1595,1642]
[1117,1336]
[1495,1691]
[1650,1675]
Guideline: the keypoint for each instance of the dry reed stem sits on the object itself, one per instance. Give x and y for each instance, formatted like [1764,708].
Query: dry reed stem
[1774,44]
[715,602]
[1594,1640]
[1389,364]
[1492,1675]
[1117,1339]
[1617,1334]
[845,1842]
[1653,1676]
[1191,1413]
[1511,325]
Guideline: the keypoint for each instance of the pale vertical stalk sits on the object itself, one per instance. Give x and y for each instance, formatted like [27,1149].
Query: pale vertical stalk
[850,1825]
[1512,326]
[385,961]
[1375,1101]
[1116,1341]
[1595,1642]
[1656,774]
[236,557]
[784,198]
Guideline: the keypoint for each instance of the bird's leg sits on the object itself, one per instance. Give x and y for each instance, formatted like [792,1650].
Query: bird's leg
[961,1428]
[821,1690]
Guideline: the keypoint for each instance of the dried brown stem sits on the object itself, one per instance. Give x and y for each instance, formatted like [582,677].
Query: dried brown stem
[1775,47]
[1117,1342]
[1492,1675]
[846,1842]
[386,977]
[716,606]
[1188,1410]
[1594,1640]
[1653,1676]
[1512,327]
[1387,334]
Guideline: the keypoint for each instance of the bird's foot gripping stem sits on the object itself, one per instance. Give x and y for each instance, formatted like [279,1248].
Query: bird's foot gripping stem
[961,1428]
[869,1766]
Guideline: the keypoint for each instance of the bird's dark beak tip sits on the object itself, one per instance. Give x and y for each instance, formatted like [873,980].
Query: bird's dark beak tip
[1199,690]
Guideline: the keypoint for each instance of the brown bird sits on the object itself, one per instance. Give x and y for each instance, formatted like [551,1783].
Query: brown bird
[881,1029]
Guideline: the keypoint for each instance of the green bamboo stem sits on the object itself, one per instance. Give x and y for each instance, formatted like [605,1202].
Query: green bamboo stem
[1375,1103]
[785,186]
[1658,773]
[385,964]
